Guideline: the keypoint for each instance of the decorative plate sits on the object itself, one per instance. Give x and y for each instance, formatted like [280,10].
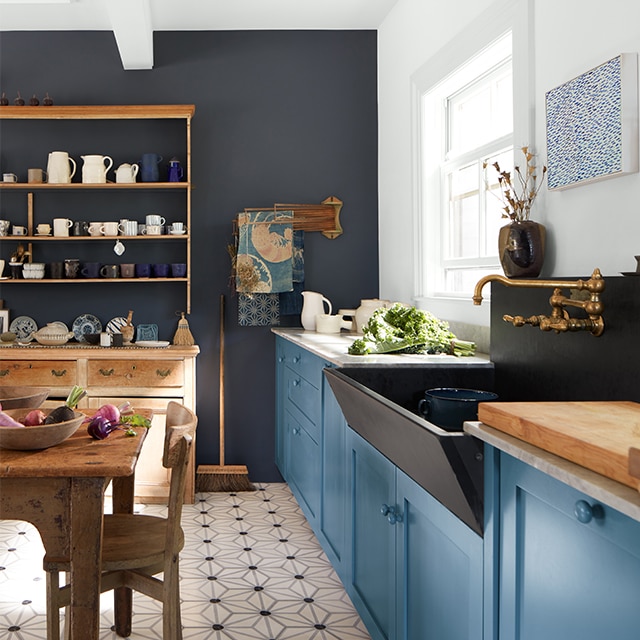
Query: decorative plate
[115,324]
[152,343]
[146,332]
[23,327]
[86,323]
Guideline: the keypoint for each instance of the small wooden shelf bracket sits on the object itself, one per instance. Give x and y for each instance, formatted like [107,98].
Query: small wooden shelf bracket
[336,203]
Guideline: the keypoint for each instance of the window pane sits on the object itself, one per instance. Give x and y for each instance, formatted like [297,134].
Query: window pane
[462,281]
[464,219]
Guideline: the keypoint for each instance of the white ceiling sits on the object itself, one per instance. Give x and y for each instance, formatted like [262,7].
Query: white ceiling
[134,21]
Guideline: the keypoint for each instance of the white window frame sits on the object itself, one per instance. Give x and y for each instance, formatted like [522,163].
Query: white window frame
[505,15]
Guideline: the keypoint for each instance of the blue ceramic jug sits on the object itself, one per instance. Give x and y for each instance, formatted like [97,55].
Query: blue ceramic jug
[149,167]
[175,172]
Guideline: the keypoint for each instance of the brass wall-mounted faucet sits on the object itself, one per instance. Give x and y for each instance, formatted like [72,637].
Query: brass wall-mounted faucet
[559,320]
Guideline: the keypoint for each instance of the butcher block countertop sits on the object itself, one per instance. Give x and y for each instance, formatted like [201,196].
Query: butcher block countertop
[584,444]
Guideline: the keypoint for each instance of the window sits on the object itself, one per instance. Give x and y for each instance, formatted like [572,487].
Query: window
[484,76]
[468,123]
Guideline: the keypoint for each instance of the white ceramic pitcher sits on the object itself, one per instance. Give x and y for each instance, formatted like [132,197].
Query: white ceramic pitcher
[313,305]
[94,169]
[60,167]
[126,173]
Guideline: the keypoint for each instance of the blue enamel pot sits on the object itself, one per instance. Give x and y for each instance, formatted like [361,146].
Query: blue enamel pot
[449,407]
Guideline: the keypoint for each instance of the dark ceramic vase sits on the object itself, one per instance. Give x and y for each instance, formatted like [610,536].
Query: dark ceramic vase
[521,249]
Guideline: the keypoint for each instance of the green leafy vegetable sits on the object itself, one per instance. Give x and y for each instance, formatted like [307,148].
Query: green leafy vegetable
[135,420]
[405,329]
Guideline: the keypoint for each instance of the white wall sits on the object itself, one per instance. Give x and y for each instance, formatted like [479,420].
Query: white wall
[596,225]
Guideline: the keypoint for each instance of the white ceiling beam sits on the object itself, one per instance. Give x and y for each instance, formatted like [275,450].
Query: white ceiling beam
[133,30]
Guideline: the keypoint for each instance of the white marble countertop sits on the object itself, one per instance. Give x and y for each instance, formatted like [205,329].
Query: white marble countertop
[608,492]
[333,347]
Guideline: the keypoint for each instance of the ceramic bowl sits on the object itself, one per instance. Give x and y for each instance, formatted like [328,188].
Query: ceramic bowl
[40,437]
[22,397]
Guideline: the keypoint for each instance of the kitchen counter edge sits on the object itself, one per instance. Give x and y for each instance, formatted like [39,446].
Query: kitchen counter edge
[333,347]
[608,492]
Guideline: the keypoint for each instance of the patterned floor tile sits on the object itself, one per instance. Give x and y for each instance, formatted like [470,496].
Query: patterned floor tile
[251,569]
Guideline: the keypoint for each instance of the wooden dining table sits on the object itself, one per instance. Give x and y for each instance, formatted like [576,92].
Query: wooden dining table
[61,491]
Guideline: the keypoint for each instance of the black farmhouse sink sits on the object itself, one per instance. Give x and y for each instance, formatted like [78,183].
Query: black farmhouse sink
[380,403]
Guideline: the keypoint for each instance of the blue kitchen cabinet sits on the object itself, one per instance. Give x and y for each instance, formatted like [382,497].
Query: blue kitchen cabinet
[310,445]
[569,566]
[416,570]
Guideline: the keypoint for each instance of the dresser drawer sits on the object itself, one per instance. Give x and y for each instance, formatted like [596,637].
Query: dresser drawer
[303,397]
[140,373]
[47,373]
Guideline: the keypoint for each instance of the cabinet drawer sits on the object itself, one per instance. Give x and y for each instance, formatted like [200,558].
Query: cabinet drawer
[303,397]
[304,363]
[127,373]
[49,373]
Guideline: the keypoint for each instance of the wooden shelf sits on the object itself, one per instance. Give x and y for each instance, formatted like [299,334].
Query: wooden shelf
[37,186]
[99,112]
[170,237]
[86,280]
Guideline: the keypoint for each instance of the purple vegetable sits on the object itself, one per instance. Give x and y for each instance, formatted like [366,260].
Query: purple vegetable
[109,412]
[99,427]
[7,421]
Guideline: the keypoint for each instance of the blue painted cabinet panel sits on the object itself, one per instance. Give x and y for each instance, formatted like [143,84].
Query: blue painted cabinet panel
[416,569]
[440,570]
[333,518]
[561,577]
[371,578]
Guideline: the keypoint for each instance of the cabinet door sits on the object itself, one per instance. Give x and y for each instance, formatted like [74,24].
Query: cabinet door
[280,400]
[371,576]
[570,567]
[333,514]
[303,467]
[439,565]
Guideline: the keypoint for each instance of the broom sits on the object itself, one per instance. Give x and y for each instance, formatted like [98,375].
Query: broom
[227,478]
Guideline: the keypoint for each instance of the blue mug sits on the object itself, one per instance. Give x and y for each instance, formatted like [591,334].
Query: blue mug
[160,270]
[143,270]
[149,167]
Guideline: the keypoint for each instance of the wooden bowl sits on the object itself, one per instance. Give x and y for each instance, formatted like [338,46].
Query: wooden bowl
[22,397]
[40,437]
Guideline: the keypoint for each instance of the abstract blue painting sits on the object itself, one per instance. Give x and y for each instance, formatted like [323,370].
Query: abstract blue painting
[592,124]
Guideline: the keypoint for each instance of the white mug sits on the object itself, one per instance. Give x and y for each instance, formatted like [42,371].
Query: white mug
[61,226]
[109,229]
[95,228]
[9,177]
[152,230]
[128,227]
[19,231]
[154,219]
[105,339]
[326,323]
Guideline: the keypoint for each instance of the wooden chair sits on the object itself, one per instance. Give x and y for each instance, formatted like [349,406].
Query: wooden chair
[136,547]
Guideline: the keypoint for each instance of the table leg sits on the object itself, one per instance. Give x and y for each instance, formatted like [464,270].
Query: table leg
[86,545]
[123,501]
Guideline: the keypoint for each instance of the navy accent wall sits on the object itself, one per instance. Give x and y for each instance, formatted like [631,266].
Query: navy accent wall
[286,116]
[533,365]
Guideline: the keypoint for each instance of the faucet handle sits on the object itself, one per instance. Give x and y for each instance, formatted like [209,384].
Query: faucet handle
[520,321]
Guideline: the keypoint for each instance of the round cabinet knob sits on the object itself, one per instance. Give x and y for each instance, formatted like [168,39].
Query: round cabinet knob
[280,359]
[584,511]
[296,383]
[391,514]
[295,431]
[296,359]
[385,509]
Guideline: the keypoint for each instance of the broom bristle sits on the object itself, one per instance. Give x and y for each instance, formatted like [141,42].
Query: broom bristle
[228,478]
[183,336]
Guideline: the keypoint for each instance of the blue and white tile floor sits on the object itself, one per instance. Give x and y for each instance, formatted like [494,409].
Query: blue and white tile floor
[251,569]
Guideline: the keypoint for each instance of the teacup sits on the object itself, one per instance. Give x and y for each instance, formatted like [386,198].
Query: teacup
[71,267]
[36,175]
[109,229]
[143,270]
[9,177]
[178,270]
[95,228]
[91,269]
[128,227]
[326,323]
[154,219]
[152,230]
[160,270]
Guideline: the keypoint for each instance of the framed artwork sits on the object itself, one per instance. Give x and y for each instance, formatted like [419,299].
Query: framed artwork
[4,320]
[592,124]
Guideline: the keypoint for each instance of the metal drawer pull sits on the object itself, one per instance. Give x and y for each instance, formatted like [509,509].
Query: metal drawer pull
[4,372]
[58,373]
[164,373]
[585,512]
[107,372]
[390,513]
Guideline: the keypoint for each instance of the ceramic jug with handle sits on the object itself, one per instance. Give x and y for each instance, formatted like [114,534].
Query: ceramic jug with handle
[60,167]
[95,168]
[366,309]
[126,173]
[149,167]
[313,305]
[174,172]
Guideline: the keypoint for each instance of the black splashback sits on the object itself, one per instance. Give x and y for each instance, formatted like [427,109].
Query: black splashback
[531,364]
